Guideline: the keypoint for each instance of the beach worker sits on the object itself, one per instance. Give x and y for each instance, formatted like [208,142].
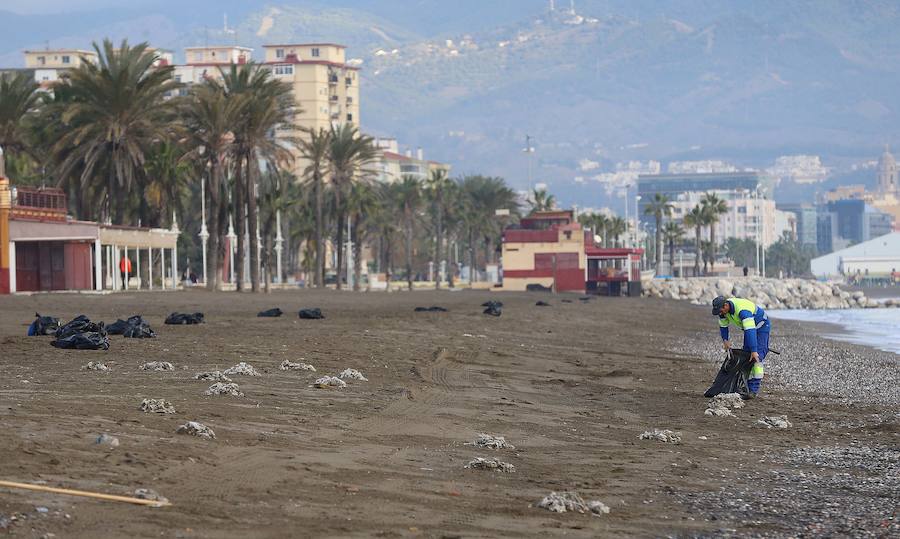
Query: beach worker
[125,268]
[755,324]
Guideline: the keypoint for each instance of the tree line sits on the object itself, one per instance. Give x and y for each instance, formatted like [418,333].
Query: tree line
[130,145]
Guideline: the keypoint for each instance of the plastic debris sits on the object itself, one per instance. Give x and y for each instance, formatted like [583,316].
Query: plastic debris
[666,436]
[244,369]
[432,309]
[149,494]
[571,502]
[288,365]
[311,314]
[541,304]
[95,366]
[352,374]
[157,366]
[158,406]
[212,376]
[489,441]
[184,319]
[79,324]
[494,308]
[193,428]
[135,327]
[329,382]
[83,341]
[224,389]
[775,422]
[43,325]
[106,439]
[490,464]
[270,313]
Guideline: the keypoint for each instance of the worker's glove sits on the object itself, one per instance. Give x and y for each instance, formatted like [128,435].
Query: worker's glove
[726,345]
[754,357]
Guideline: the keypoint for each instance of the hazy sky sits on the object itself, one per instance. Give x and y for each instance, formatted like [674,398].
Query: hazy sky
[30,7]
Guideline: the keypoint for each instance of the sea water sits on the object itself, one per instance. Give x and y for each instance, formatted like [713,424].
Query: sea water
[878,328]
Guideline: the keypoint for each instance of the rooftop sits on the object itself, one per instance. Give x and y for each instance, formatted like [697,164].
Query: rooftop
[306,45]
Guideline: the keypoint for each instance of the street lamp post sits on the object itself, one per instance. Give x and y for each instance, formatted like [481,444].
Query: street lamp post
[681,263]
[279,240]
[637,213]
[232,238]
[627,222]
[204,232]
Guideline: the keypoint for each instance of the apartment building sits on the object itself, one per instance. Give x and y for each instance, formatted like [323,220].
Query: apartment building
[748,217]
[392,165]
[48,65]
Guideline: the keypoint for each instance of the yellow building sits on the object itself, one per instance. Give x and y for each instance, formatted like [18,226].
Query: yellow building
[50,64]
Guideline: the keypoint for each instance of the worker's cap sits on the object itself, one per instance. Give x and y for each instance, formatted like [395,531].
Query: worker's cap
[717,304]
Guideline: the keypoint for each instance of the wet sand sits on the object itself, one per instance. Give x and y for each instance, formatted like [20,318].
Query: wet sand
[571,386]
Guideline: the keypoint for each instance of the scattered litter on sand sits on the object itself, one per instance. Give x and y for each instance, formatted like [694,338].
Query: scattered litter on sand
[212,376]
[666,436]
[541,304]
[224,389]
[490,464]
[106,439]
[95,366]
[572,502]
[493,308]
[311,314]
[134,328]
[243,368]
[722,404]
[492,442]
[157,366]
[158,406]
[149,494]
[775,422]
[177,319]
[288,365]
[432,309]
[328,382]
[352,374]
[194,428]
[270,313]
[43,325]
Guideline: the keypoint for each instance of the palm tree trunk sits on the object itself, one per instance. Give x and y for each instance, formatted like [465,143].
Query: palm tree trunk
[672,257]
[340,233]
[267,259]
[241,217]
[409,255]
[388,262]
[471,255]
[698,232]
[357,254]
[438,251]
[712,246]
[212,248]
[320,232]
[252,222]
[657,247]
[450,268]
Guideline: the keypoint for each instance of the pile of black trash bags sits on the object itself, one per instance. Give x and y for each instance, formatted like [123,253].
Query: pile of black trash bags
[82,334]
[43,325]
[733,375]
[135,328]
[178,319]
[494,308]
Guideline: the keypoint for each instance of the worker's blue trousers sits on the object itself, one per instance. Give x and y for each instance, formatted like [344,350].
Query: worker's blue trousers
[762,348]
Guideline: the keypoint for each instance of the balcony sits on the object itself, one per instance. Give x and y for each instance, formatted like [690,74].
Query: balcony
[333,99]
[332,79]
[349,100]
[348,81]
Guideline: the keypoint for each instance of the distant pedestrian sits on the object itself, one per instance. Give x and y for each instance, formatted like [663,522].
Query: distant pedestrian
[125,268]
[746,271]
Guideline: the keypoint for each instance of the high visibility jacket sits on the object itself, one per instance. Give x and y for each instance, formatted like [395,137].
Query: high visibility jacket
[125,265]
[746,315]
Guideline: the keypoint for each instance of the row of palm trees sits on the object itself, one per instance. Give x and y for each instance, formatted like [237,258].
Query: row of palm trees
[130,145]
[706,214]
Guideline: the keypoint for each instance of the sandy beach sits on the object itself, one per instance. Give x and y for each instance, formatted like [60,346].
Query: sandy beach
[571,386]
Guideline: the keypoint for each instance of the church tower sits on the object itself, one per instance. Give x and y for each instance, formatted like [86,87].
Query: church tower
[887,173]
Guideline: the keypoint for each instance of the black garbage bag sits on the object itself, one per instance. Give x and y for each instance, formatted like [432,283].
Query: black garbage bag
[493,310]
[542,304]
[271,313]
[432,309]
[88,340]
[585,298]
[492,303]
[137,328]
[117,328]
[176,319]
[534,287]
[43,325]
[311,314]
[733,376]
[80,324]
[566,300]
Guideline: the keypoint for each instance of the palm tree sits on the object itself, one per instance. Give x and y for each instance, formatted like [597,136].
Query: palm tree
[363,207]
[615,227]
[314,151]
[117,111]
[208,117]
[277,194]
[541,200]
[164,184]
[696,219]
[269,105]
[349,153]
[386,226]
[18,98]
[714,207]
[437,185]
[672,232]
[409,198]
[660,206]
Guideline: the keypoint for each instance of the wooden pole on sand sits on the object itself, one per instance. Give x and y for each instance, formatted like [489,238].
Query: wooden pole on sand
[85,494]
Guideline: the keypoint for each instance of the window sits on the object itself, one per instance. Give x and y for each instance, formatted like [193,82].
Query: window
[284,70]
[279,53]
[66,60]
[315,52]
[213,54]
[349,117]
[42,60]
[177,78]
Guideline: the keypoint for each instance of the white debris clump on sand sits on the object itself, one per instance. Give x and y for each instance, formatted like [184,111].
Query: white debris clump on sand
[666,436]
[150,494]
[572,502]
[194,428]
[224,389]
[95,366]
[722,404]
[212,376]
[327,382]
[158,406]
[157,366]
[352,374]
[288,365]
[492,442]
[775,422]
[106,439]
[243,368]
[479,463]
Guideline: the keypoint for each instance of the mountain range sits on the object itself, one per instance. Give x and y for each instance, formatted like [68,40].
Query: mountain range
[613,80]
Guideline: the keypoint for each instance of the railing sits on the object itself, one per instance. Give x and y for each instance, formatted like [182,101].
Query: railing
[49,198]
